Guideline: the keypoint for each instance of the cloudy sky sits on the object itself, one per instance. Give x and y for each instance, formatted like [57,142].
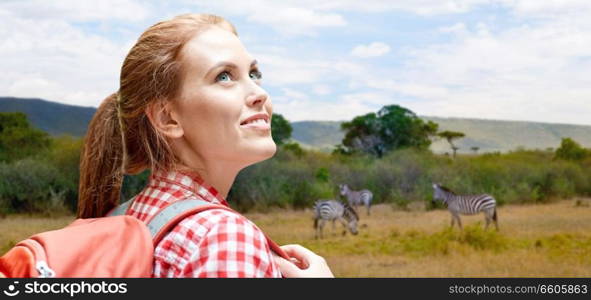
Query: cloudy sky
[332,59]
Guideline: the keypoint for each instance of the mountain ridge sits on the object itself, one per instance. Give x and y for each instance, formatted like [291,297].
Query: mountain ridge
[486,134]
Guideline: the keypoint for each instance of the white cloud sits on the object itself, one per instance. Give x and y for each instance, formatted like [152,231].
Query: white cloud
[413,89]
[33,86]
[374,49]
[547,8]
[38,87]
[281,70]
[419,7]
[308,109]
[322,90]
[299,106]
[286,17]
[269,7]
[527,72]
[51,59]
[458,28]
[286,69]
[295,20]
[74,10]
[370,101]
[294,94]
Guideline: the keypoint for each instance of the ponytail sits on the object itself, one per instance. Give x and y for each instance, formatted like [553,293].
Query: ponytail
[101,162]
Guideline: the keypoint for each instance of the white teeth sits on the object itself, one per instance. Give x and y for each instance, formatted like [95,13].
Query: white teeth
[257,121]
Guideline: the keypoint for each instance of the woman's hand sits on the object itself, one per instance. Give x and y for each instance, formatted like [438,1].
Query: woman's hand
[304,263]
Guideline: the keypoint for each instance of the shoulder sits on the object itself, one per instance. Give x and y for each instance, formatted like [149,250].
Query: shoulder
[215,218]
[216,225]
[221,243]
[212,221]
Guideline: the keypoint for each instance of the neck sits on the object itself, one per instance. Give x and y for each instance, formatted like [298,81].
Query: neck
[219,175]
[349,213]
[447,195]
[217,172]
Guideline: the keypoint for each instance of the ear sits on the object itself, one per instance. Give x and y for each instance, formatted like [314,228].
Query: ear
[164,119]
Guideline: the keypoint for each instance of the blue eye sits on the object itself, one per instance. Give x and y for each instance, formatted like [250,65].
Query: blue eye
[224,76]
[255,75]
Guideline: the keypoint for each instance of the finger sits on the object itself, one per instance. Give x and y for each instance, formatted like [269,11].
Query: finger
[303,255]
[300,264]
[299,253]
[287,268]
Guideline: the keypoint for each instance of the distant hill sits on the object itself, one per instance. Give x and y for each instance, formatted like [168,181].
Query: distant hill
[51,117]
[488,135]
[493,135]
[322,135]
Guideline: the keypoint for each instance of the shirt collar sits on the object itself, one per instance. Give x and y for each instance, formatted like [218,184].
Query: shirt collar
[192,182]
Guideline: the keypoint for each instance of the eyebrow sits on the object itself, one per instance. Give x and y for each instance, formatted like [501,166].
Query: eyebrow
[228,65]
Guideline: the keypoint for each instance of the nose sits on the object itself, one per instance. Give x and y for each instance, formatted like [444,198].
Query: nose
[257,97]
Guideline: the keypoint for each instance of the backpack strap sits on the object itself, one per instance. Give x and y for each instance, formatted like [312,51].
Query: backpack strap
[168,217]
[121,209]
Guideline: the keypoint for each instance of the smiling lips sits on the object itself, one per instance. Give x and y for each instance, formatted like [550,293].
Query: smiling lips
[258,121]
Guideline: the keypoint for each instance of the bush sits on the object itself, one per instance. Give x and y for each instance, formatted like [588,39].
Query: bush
[296,178]
[405,176]
[571,150]
[32,186]
[18,139]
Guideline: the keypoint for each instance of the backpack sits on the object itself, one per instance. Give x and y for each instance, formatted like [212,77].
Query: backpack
[114,246]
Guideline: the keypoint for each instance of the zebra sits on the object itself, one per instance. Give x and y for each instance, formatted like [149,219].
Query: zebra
[466,205]
[354,198]
[332,210]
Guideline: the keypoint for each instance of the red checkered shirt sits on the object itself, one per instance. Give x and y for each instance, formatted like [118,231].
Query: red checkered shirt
[212,243]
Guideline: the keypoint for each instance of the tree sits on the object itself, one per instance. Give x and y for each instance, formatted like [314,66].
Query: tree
[362,134]
[280,129]
[475,149]
[392,127]
[295,148]
[18,139]
[570,150]
[450,136]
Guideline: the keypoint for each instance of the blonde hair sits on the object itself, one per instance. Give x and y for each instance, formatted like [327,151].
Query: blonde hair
[120,138]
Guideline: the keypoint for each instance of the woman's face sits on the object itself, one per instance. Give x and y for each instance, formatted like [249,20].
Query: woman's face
[224,112]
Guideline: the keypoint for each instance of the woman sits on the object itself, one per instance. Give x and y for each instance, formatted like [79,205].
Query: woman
[191,109]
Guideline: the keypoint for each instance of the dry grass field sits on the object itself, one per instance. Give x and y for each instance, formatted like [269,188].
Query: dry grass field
[549,240]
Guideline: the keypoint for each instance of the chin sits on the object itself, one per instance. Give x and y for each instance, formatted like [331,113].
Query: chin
[260,151]
[268,149]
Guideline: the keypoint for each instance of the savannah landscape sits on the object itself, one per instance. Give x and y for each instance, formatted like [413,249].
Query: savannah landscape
[548,240]
[542,195]
[500,107]
[534,240]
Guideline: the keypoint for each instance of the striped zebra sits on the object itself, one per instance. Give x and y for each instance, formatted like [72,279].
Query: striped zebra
[466,205]
[355,198]
[332,210]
